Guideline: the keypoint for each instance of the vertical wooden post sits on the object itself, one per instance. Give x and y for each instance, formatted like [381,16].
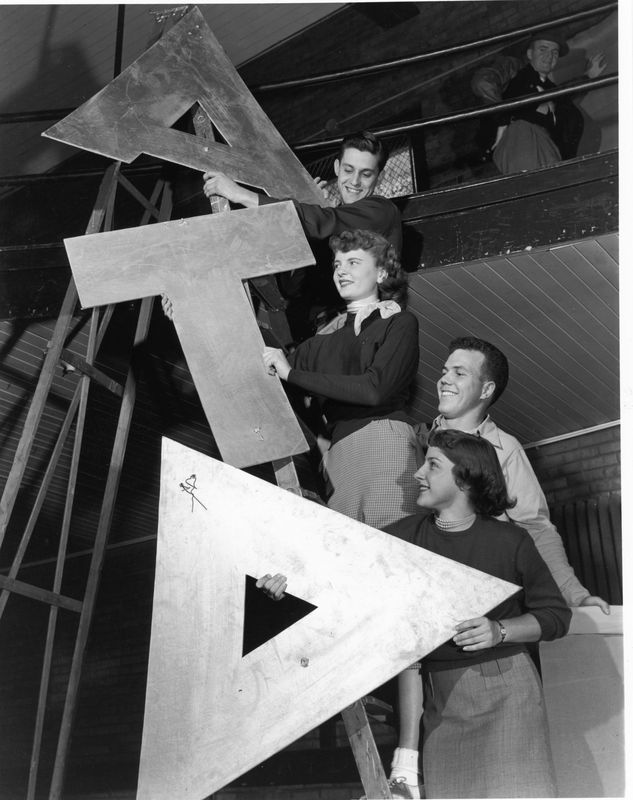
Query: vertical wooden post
[366,754]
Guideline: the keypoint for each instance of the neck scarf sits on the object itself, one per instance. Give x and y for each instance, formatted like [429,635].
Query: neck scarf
[361,310]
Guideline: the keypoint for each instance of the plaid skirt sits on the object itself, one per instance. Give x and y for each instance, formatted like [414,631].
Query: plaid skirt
[485,731]
[525,146]
[369,474]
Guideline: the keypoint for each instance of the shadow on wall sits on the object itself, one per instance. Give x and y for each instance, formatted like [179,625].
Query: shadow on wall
[24,150]
[583,683]
[600,107]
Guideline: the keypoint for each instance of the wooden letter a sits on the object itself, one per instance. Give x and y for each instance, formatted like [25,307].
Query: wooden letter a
[132,115]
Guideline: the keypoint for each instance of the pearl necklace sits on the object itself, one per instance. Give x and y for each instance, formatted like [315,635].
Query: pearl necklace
[449,524]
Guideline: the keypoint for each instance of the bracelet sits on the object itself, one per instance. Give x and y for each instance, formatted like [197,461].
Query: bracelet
[502,631]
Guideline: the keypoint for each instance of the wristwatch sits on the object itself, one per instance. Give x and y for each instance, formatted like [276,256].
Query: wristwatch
[502,631]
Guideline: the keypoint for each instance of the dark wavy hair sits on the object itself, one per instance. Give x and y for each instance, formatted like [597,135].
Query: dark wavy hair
[395,285]
[476,468]
[366,142]
[495,367]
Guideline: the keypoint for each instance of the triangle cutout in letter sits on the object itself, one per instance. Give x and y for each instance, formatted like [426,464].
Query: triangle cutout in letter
[264,617]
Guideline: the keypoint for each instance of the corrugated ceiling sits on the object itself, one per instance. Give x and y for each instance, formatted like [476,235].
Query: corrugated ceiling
[553,312]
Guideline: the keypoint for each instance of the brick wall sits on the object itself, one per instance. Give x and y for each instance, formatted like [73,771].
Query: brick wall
[581,480]
[585,466]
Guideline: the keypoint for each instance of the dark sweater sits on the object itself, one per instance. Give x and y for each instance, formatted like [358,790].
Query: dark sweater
[359,378]
[501,549]
[373,213]
[527,82]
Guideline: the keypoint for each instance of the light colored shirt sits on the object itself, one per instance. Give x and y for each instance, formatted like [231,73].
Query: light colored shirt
[530,511]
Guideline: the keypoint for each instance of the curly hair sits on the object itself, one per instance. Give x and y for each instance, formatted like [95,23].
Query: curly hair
[395,285]
[476,468]
[495,367]
[366,142]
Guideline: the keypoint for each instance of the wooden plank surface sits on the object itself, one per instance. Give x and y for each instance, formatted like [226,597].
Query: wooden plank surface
[36,593]
[522,219]
[200,264]
[366,753]
[211,713]
[134,112]
[501,188]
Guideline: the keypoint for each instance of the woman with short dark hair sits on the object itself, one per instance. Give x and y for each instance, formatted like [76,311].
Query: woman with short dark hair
[485,730]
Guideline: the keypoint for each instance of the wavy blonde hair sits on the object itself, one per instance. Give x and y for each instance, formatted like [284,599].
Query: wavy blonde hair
[395,285]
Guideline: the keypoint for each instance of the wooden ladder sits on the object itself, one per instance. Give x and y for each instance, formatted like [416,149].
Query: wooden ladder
[101,219]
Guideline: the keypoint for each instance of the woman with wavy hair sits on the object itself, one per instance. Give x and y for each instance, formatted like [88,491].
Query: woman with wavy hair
[360,367]
[485,731]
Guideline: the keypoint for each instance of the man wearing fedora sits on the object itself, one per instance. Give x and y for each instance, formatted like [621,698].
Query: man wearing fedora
[540,135]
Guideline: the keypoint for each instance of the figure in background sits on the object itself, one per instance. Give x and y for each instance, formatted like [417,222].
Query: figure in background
[360,367]
[361,159]
[473,378]
[485,730]
[488,83]
[540,135]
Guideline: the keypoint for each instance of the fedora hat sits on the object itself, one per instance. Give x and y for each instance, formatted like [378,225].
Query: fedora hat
[551,35]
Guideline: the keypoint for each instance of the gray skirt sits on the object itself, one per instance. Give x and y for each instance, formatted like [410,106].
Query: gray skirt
[485,732]
[369,474]
[523,146]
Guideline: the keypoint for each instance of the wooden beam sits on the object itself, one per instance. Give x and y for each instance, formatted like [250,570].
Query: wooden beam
[49,367]
[50,469]
[94,575]
[84,387]
[81,365]
[35,593]
[107,512]
[365,751]
[500,189]
[41,494]
[138,196]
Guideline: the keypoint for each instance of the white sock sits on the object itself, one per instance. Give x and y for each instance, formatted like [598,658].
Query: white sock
[405,765]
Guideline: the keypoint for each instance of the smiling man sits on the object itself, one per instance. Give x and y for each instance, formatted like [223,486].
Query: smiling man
[309,291]
[360,161]
[543,134]
[473,378]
